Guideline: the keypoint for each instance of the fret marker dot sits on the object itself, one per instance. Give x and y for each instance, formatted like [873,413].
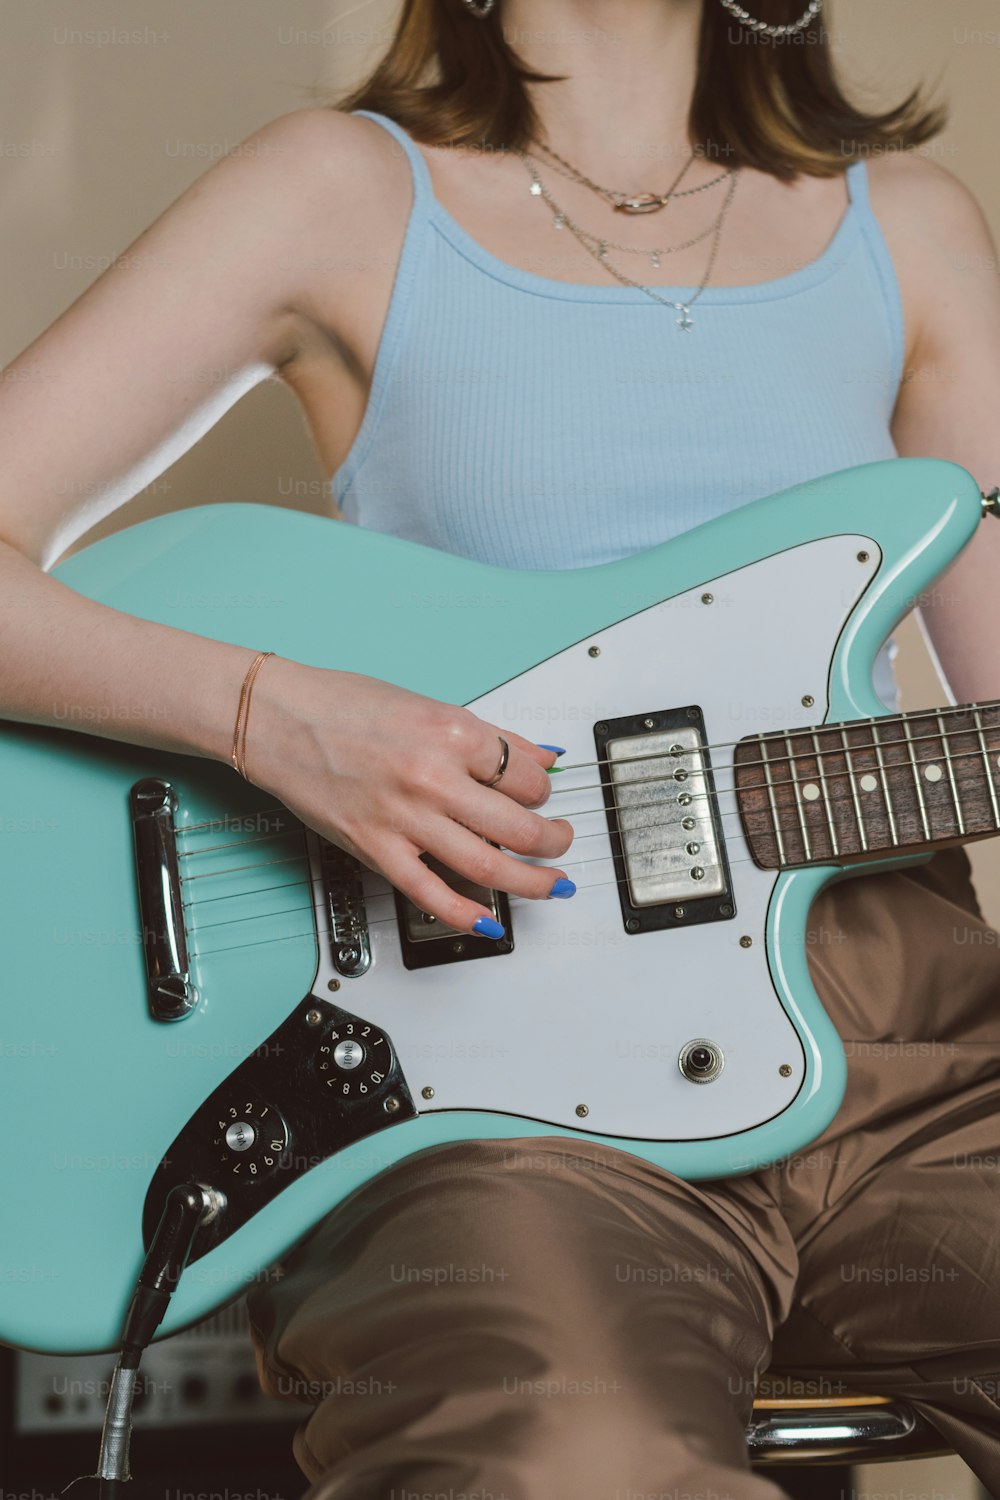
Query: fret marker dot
[810,791]
[868,783]
[933,773]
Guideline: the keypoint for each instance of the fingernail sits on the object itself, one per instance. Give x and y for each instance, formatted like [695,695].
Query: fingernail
[563,888]
[487,927]
[556,749]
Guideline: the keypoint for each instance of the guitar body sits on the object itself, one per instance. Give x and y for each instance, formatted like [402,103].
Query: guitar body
[767,618]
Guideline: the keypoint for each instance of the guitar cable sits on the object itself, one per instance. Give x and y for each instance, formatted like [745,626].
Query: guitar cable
[187,1207]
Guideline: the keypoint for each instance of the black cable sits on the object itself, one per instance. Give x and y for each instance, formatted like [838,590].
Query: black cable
[187,1207]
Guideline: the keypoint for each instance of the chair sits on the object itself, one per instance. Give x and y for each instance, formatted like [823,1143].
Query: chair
[849,1428]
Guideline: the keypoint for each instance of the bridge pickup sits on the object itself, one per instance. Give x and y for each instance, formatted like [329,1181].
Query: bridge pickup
[170,989]
[663,820]
[425,940]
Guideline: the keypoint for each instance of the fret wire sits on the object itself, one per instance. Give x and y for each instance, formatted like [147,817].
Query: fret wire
[943,734]
[770,797]
[893,834]
[986,765]
[806,850]
[826,796]
[914,767]
[854,789]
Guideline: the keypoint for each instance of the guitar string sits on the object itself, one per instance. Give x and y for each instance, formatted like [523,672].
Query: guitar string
[772,762]
[714,794]
[513,899]
[769,736]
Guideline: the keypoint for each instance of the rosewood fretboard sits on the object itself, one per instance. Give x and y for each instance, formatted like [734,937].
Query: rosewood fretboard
[851,790]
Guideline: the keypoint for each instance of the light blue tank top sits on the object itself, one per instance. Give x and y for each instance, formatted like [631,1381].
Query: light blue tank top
[532,423]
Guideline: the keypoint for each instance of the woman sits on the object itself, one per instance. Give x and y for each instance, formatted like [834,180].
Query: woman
[603,1324]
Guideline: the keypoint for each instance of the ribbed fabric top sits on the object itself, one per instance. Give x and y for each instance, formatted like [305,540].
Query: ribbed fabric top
[534,423]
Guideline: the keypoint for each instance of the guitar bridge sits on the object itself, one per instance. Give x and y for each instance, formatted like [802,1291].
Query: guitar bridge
[666,834]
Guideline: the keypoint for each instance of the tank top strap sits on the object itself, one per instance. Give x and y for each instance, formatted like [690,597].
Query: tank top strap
[881,257]
[423,190]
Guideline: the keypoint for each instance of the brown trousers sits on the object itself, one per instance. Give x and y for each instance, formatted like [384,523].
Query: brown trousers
[549,1319]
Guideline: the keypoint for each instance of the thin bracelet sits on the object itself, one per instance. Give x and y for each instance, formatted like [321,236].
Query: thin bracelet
[239,750]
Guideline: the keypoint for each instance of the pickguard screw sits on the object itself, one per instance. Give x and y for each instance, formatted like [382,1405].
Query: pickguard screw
[707,598]
[746,942]
[862,557]
[333,984]
[785,1070]
[391,1105]
[593,650]
[808,700]
[582,1111]
[313,1017]
[427,1093]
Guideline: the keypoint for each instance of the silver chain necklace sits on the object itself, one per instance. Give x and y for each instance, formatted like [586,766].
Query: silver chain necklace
[635,203]
[685,322]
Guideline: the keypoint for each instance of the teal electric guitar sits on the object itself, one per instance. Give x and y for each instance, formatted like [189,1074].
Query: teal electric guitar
[197,988]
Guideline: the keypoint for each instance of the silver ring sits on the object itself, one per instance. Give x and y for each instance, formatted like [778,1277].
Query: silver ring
[502,766]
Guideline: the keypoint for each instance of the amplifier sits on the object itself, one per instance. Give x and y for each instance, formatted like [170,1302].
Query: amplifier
[206,1375]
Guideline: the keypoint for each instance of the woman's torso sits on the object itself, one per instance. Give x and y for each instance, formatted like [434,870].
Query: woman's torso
[494,392]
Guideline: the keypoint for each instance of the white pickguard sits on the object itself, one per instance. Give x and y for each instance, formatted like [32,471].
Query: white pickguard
[581,1013]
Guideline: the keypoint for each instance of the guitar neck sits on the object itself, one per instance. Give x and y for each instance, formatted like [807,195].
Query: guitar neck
[850,791]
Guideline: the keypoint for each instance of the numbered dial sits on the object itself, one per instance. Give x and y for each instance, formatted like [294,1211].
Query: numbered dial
[353,1060]
[251,1138]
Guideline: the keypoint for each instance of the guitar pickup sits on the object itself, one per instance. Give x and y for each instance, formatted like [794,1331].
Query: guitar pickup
[666,834]
[425,940]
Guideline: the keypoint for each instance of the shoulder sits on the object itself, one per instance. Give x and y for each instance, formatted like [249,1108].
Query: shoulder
[321,143]
[913,190]
[938,236]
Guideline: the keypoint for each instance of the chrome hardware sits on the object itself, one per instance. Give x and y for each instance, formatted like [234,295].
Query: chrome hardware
[700,1060]
[170,990]
[350,945]
[991,501]
[348,1054]
[656,868]
[240,1135]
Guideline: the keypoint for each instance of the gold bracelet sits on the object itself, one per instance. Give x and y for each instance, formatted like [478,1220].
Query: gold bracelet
[239,751]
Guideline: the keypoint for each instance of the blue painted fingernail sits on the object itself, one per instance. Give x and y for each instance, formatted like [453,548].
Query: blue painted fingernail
[563,888]
[554,748]
[487,927]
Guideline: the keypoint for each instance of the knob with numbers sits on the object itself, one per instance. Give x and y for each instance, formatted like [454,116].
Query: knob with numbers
[353,1060]
[251,1139]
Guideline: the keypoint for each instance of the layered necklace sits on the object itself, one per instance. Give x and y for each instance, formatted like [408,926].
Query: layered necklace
[636,203]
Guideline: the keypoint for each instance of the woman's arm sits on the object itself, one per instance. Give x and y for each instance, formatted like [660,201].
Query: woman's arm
[949,404]
[111,394]
[201,307]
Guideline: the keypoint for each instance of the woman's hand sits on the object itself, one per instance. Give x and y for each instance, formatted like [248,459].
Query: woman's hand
[387,775]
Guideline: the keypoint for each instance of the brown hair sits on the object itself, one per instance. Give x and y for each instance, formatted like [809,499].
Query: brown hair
[450,78]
